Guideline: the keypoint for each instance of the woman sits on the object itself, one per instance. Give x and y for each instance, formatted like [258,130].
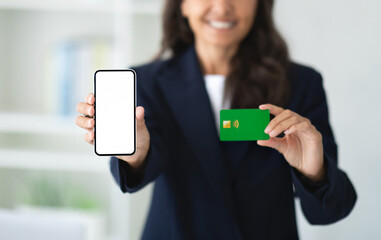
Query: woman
[227,54]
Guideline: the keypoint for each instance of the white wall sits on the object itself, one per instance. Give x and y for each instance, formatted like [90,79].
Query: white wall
[4,42]
[341,39]
[30,36]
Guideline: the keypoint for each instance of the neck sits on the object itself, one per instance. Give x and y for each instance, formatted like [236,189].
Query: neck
[215,60]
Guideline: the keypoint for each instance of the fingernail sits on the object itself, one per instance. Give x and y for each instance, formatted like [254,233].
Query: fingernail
[267,130]
[272,134]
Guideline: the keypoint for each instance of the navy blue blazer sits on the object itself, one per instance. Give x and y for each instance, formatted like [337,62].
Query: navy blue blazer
[208,189]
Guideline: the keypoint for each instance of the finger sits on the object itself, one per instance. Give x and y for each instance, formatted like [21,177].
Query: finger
[90,99]
[284,125]
[286,114]
[276,143]
[85,109]
[89,129]
[84,122]
[140,118]
[89,137]
[274,110]
[301,126]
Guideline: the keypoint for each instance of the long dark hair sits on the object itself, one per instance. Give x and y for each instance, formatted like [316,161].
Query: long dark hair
[259,69]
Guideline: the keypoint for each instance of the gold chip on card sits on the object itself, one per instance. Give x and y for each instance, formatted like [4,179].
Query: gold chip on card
[226,124]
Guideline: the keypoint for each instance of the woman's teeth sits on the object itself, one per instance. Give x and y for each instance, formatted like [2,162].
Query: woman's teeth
[221,25]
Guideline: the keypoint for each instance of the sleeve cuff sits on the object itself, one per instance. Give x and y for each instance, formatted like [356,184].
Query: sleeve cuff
[127,178]
[132,177]
[305,186]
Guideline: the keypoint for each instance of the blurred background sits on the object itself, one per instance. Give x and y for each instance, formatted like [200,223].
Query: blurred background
[53,186]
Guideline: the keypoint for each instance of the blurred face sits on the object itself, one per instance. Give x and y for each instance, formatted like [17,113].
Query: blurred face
[219,23]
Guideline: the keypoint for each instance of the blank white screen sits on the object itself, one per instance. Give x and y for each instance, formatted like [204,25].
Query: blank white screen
[114,112]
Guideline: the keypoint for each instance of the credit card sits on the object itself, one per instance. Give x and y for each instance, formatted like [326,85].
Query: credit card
[244,124]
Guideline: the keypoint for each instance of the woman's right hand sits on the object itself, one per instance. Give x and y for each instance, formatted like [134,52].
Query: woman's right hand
[142,140]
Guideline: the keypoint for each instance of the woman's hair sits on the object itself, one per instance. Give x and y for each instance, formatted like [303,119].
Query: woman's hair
[259,69]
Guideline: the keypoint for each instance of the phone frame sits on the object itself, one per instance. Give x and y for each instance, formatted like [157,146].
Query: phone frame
[95,112]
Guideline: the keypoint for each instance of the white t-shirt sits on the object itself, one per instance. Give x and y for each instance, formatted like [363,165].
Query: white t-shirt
[215,88]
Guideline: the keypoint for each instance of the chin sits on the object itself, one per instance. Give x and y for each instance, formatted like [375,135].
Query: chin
[223,43]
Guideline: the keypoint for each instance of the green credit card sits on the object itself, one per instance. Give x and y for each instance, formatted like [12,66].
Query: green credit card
[244,124]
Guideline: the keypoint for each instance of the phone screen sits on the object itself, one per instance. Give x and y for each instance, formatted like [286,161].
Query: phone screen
[115,125]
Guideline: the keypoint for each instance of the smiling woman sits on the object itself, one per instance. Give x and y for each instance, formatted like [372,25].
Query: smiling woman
[236,39]
[211,189]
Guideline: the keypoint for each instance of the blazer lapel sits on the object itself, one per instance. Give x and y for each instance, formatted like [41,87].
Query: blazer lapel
[184,89]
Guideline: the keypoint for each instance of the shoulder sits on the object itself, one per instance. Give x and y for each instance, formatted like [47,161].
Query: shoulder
[305,81]
[306,88]
[147,72]
[303,75]
[147,78]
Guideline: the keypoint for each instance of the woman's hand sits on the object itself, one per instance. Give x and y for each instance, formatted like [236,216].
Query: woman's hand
[143,138]
[302,145]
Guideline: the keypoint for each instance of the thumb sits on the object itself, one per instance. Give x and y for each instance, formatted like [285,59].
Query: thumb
[274,142]
[140,117]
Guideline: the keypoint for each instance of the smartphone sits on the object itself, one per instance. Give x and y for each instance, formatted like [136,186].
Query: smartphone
[115,118]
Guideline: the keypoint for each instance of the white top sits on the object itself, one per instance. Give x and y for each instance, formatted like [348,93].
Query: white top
[215,88]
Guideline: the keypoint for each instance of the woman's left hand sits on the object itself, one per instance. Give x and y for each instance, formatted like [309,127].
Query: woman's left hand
[302,145]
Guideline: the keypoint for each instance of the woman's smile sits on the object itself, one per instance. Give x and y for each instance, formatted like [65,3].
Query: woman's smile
[221,24]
